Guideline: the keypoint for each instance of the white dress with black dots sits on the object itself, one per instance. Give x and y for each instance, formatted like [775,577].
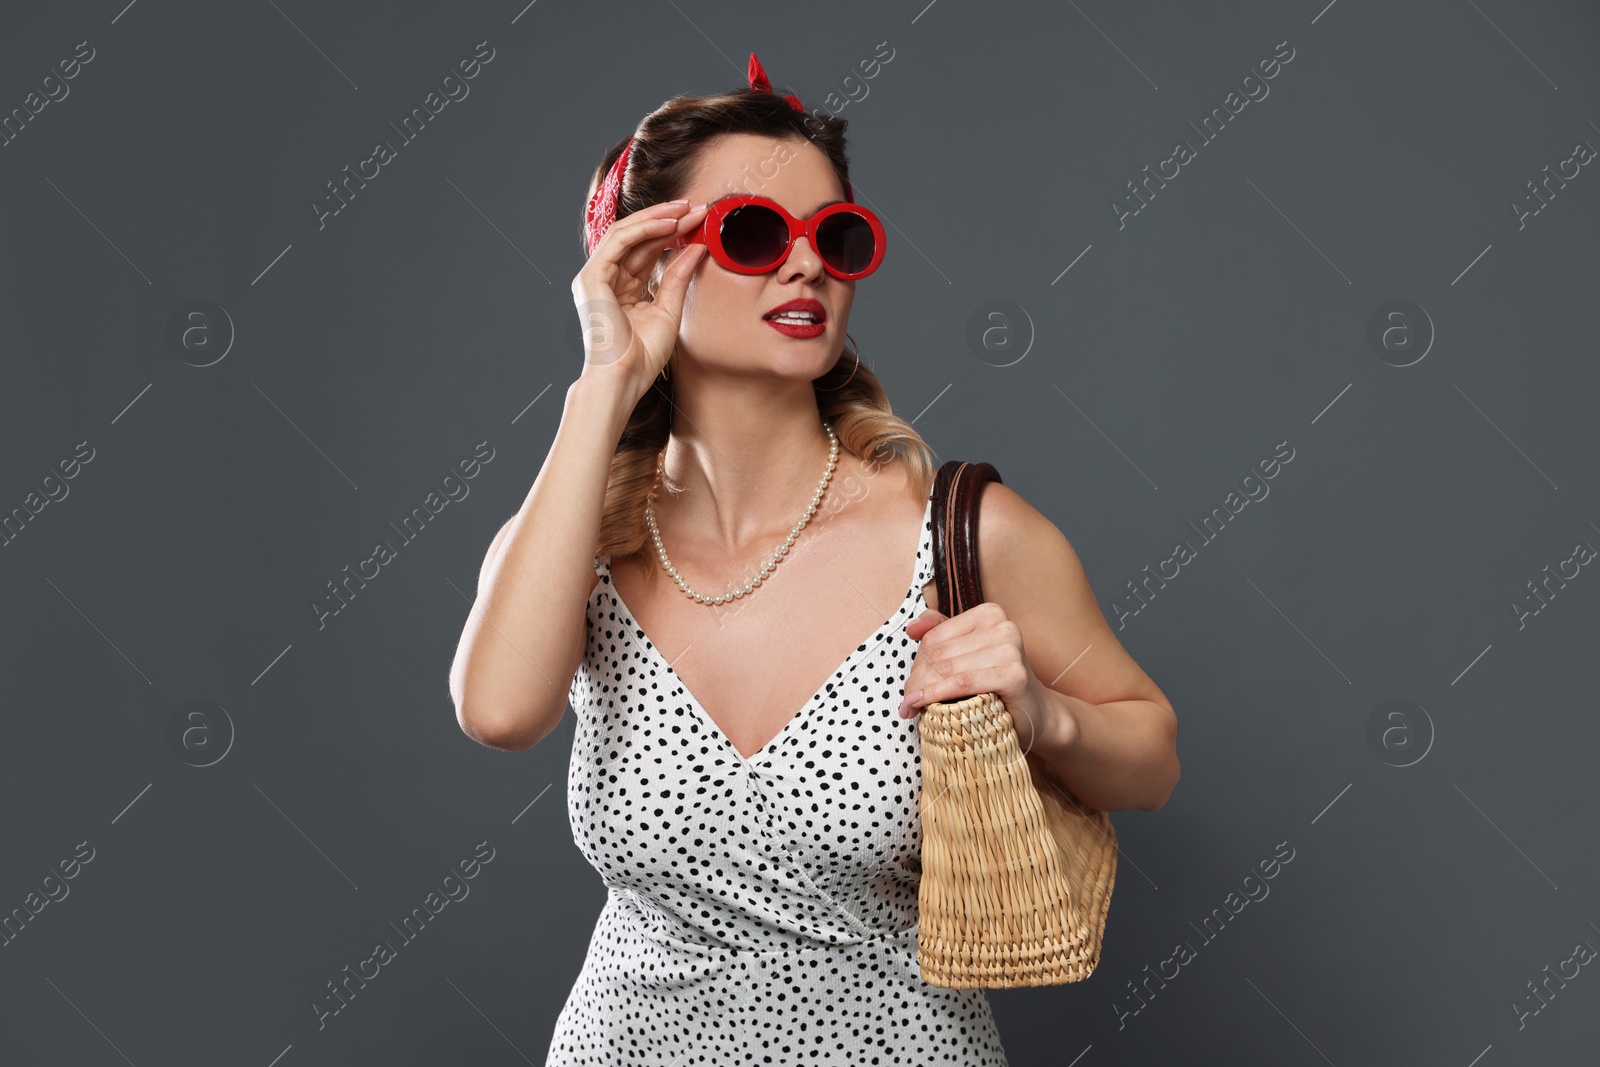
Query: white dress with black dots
[763,910]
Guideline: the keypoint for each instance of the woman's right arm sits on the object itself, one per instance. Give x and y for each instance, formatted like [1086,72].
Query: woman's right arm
[526,633]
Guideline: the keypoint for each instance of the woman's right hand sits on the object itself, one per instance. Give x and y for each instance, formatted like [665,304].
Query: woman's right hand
[623,331]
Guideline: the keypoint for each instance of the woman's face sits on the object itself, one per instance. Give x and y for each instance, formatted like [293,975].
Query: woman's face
[724,324]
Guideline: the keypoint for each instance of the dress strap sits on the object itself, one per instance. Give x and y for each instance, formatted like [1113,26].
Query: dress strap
[925,551]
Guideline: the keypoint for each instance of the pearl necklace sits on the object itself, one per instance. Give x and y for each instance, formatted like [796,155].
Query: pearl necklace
[766,568]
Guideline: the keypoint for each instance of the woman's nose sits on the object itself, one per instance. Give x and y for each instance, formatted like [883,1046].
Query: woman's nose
[802,259]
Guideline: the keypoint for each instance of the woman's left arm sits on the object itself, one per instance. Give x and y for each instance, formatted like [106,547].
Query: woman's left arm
[1041,643]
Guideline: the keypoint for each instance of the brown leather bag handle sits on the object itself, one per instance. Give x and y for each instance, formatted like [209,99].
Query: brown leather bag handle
[957,491]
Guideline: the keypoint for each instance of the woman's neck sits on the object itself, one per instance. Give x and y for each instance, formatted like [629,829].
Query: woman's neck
[736,475]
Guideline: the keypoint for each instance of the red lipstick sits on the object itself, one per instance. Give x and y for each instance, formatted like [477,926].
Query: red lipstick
[805,318]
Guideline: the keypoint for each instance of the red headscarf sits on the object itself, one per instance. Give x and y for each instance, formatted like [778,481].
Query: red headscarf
[602,209]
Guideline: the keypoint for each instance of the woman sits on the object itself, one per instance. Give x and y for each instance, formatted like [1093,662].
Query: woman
[760,845]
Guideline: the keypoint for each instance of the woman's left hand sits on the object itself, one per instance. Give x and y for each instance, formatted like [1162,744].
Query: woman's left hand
[980,651]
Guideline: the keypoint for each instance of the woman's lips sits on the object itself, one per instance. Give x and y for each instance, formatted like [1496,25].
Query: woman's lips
[791,329]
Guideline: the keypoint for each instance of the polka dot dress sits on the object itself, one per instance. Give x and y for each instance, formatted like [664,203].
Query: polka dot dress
[761,910]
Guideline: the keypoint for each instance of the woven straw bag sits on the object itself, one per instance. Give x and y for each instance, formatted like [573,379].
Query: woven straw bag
[1016,871]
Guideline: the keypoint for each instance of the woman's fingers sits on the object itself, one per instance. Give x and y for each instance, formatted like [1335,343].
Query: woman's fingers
[641,257]
[675,280]
[611,275]
[626,256]
[626,232]
[609,289]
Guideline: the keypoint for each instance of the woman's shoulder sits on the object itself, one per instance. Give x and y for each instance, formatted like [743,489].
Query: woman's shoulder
[1016,540]
[893,487]
[1008,522]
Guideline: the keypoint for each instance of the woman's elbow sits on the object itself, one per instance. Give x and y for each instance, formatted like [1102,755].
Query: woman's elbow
[508,733]
[1173,767]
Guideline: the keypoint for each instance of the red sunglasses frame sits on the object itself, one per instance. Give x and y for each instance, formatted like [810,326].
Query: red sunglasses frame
[709,232]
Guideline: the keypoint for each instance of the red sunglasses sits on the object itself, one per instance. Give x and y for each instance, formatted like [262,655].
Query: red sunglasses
[754,234]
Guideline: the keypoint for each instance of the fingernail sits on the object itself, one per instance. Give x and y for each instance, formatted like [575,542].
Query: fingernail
[910,699]
[685,200]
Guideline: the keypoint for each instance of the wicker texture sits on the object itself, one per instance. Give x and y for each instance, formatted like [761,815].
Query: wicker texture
[1016,872]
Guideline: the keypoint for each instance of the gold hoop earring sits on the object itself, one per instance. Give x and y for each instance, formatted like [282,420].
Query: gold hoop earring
[857,353]
[666,371]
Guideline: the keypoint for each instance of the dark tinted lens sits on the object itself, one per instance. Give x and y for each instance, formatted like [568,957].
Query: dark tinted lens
[845,242]
[754,236]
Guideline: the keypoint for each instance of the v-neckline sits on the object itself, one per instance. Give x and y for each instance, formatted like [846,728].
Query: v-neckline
[861,648]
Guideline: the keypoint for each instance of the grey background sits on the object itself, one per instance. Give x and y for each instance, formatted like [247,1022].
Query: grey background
[433,313]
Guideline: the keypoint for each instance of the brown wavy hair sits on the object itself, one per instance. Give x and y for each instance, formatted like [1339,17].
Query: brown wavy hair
[666,144]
